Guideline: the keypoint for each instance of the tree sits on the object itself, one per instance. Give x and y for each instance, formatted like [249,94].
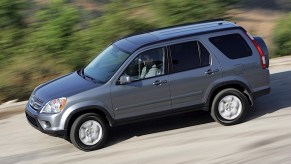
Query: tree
[12,24]
[11,13]
[53,27]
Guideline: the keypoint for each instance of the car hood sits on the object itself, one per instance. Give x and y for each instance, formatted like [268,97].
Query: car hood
[64,86]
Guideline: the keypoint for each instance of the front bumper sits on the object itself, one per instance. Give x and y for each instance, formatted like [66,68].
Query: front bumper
[38,121]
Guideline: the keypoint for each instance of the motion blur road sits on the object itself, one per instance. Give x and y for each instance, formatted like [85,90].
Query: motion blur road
[265,137]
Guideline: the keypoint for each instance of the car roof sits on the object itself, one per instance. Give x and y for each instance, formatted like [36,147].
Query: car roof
[133,42]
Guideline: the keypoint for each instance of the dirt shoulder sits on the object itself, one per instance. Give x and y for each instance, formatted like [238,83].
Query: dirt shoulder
[8,110]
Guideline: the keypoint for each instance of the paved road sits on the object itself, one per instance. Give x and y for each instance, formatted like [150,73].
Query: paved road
[190,138]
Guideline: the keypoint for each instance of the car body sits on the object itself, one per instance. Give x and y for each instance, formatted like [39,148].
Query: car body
[213,65]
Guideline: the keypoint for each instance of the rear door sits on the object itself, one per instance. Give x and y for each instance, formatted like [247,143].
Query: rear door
[194,71]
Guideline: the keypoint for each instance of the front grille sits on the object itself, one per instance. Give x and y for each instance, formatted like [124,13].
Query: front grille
[31,120]
[35,103]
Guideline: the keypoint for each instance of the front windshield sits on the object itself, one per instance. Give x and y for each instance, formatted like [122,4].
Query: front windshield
[102,68]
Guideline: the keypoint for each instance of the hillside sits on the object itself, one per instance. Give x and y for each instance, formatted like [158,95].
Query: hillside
[64,35]
[259,17]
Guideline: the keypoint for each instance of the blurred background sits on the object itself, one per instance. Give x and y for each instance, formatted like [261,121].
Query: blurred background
[43,39]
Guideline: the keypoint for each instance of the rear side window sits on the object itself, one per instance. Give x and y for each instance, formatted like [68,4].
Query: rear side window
[189,55]
[233,46]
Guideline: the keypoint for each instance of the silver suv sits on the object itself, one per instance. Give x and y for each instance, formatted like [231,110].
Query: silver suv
[215,66]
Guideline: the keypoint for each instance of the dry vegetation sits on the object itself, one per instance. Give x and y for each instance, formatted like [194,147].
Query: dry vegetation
[43,39]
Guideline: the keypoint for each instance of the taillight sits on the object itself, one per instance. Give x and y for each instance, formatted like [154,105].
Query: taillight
[262,56]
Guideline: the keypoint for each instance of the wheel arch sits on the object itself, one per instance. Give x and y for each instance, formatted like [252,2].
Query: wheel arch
[88,109]
[231,84]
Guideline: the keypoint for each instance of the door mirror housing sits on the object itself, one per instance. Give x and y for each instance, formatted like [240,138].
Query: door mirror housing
[124,79]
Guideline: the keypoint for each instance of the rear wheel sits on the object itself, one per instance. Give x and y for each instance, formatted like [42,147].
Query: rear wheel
[229,107]
[89,132]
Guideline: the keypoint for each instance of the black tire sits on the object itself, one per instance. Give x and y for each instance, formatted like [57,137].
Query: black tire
[98,122]
[221,116]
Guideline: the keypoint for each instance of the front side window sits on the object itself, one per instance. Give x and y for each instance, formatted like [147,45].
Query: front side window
[189,55]
[102,68]
[148,64]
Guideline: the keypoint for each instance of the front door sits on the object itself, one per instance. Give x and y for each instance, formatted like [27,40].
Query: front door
[148,92]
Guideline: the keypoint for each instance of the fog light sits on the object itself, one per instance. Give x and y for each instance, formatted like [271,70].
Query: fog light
[45,124]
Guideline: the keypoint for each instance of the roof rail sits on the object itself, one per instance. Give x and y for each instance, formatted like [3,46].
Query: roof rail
[162,28]
[193,23]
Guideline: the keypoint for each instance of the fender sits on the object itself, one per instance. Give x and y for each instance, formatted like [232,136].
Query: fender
[90,109]
[230,84]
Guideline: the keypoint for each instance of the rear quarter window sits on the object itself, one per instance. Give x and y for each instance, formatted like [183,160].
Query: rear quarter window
[233,46]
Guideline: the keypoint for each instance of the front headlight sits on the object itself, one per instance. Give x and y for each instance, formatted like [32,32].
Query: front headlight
[54,106]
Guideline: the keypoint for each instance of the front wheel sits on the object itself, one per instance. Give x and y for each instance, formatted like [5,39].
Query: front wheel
[229,107]
[89,132]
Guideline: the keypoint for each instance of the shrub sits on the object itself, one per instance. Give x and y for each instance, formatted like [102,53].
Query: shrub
[282,37]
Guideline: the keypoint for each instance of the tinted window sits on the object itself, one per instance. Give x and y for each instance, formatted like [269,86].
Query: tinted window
[189,55]
[233,46]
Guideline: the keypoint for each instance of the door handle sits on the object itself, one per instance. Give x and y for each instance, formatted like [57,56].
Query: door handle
[211,71]
[160,82]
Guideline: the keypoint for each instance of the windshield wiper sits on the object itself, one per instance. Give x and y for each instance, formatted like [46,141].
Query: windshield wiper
[81,72]
[89,77]
[83,75]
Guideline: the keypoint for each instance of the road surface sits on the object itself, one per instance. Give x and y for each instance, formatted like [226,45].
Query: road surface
[265,137]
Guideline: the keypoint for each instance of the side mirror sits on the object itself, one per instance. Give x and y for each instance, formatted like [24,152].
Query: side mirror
[124,79]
